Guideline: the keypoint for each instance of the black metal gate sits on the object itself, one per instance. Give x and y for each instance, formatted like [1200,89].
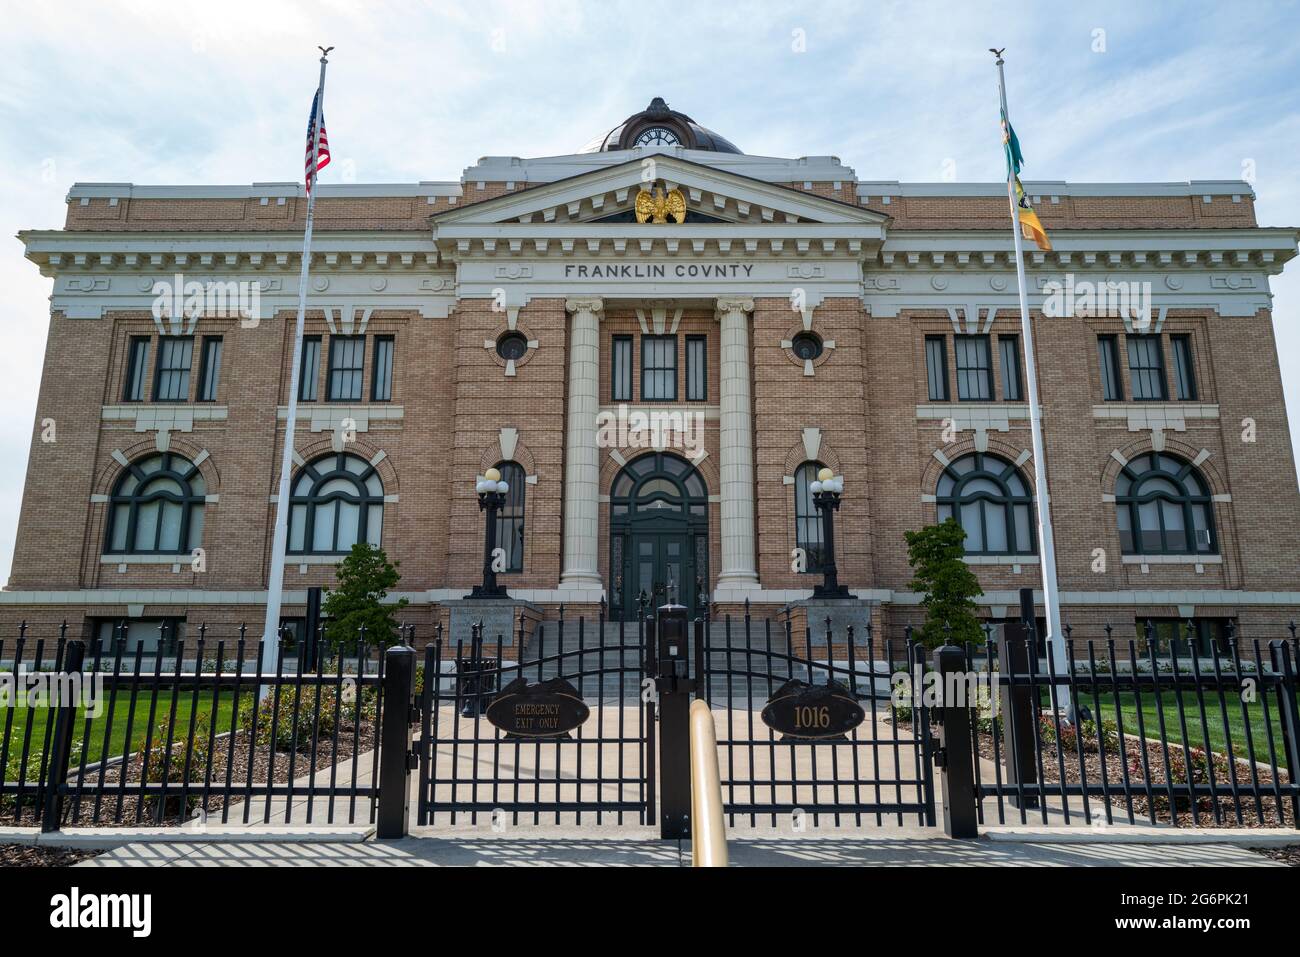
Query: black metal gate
[605,767]
[879,770]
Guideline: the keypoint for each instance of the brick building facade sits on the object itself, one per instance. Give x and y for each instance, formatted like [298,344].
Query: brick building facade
[524,315]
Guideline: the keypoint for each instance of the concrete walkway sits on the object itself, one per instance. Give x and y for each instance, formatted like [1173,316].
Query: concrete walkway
[639,846]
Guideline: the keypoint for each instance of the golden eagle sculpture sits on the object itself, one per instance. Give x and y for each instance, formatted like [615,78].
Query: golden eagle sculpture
[657,206]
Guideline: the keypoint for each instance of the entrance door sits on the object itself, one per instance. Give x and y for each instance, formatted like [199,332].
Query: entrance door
[659,536]
[661,570]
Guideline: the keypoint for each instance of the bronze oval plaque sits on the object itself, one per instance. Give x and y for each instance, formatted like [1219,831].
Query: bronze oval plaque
[801,710]
[549,709]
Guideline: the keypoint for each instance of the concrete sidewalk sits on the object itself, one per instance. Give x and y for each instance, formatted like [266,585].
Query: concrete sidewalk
[640,847]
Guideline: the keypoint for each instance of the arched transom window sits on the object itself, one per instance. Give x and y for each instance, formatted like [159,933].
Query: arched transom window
[659,483]
[157,507]
[336,502]
[989,497]
[1163,507]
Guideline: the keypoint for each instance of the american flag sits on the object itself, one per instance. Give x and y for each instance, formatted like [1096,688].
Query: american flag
[322,154]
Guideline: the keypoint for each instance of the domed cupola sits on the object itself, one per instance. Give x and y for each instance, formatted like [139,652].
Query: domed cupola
[657,125]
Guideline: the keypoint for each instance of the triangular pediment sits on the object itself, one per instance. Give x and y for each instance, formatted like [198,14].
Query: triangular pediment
[605,195]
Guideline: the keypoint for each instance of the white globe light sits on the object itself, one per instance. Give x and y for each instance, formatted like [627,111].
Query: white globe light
[816,487]
[492,475]
[838,485]
[503,487]
[482,485]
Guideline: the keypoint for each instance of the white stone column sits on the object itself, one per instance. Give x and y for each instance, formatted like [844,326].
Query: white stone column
[736,450]
[581,461]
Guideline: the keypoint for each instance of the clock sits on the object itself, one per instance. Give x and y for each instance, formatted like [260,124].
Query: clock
[657,136]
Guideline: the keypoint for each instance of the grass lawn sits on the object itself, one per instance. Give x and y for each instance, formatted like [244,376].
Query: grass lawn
[185,701]
[1214,715]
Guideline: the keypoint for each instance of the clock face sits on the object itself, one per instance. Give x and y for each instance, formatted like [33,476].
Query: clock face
[657,136]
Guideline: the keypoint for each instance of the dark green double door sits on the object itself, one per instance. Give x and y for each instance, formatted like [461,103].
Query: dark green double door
[658,567]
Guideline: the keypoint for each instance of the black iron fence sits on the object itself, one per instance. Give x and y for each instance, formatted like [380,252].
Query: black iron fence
[1129,731]
[879,769]
[603,767]
[109,735]
[1118,730]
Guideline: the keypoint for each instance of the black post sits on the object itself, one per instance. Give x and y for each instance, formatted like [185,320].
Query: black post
[1029,616]
[674,686]
[490,503]
[828,503]
[1288,715]
[311,630]
[61,746]
[956,757]
[1016,706]
[396,759]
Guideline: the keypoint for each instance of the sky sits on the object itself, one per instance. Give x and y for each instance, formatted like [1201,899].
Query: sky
[204,93]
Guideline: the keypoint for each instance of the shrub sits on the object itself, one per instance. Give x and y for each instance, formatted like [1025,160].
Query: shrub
[156,765]
[1179,774]
[351,708]
[13,772]
[936,554]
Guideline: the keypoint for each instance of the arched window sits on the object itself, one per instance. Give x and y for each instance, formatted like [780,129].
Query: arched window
[510,518]
[336,502]
[991,500]
[1163,507]
[157,507]
[807,520]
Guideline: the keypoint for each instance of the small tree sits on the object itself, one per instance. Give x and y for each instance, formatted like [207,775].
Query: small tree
[937,556]
[364,578]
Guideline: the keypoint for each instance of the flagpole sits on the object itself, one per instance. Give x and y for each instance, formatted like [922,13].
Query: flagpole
[1046,542]
[280,538]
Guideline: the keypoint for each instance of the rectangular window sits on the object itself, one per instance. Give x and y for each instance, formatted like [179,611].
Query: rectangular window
[974,368]
[148,635]
[1112,390]
[171,379]
[1146,368]
[347,366]
[137,363]
[381,377]
[659,368]
[1174,636]
[936,367]
[309,372]
[697,388]
[1184,373]
[620,372]
[1009,350]
[210,369]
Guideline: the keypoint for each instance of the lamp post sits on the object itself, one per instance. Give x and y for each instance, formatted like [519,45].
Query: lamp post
[826,491]
[491,497]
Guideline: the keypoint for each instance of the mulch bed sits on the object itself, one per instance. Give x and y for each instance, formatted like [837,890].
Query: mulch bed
[1184,815]
[1289,855]
[131,802]
[28,855]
